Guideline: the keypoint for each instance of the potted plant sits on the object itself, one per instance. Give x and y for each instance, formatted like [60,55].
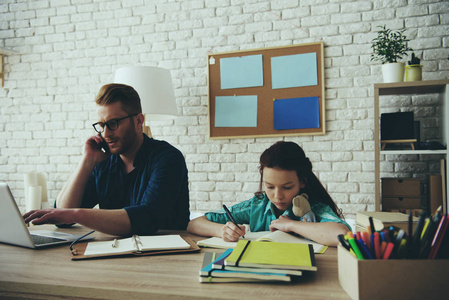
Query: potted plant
[389,47]
[413,71]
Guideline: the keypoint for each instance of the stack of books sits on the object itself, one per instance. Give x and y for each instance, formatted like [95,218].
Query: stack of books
[382,220]
[256,261]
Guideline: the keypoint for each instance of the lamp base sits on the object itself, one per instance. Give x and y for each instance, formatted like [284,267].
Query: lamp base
[146,130]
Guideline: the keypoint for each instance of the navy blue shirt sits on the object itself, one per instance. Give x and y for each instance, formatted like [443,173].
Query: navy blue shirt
[155,194]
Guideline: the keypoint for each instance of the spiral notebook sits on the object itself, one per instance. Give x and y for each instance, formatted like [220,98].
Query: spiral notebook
[135,246]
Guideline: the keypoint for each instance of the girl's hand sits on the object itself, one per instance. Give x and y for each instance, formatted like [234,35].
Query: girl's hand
[232,233]
[282,223]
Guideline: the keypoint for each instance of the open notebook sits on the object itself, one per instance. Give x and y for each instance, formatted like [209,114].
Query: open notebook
[266,236]
[136,245]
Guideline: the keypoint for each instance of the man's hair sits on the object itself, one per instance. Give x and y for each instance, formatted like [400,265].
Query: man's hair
[125,94]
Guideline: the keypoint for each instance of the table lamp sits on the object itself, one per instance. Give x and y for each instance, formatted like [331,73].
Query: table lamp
[155,89]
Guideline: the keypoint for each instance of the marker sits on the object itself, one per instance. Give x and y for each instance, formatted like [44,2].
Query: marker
[383,246]
[401,251]
[365,249]
[388,250]
[344,242]
[355,248]
[366,239]
[114,243]
[228,213]
[417,233]
[377,245]
[373,246]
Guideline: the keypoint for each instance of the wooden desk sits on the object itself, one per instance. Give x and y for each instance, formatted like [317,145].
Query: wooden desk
[51,274]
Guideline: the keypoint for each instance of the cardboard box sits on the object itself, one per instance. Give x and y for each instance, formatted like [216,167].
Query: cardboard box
[393,278]
[401,187]
[390,203]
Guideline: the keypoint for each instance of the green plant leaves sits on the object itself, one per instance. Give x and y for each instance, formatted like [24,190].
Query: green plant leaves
[389,46]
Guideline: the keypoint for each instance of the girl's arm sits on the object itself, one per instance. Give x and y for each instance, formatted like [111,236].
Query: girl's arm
[228,232]
[324,233]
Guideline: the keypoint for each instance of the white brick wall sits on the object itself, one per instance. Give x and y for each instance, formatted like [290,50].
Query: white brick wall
[65,50]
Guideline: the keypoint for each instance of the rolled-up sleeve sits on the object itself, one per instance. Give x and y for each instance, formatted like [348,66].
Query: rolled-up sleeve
[325,214]
[241,213]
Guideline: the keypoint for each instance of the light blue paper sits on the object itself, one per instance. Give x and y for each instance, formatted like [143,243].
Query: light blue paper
[296,113]
[294,70]
[241,71]
[236,111]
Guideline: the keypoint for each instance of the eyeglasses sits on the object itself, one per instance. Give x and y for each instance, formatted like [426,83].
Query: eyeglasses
[111,124]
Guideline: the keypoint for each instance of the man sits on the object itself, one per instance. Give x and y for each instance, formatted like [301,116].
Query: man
[140,184]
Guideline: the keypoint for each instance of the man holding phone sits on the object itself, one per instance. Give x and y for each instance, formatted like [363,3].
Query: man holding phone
[140,184]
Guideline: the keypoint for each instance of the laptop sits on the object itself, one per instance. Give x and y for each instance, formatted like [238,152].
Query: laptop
[14,231]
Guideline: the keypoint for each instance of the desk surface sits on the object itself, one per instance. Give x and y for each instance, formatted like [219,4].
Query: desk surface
[27,273]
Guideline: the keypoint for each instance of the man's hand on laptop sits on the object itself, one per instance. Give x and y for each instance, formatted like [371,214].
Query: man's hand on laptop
[50,216]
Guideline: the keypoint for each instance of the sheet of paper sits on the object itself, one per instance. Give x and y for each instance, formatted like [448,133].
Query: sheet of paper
[121,246]
[162,242]
[241,71]
[294,70]
[236,111]
[296,113]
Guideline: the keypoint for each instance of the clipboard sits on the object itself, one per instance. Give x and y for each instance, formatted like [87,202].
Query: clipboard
[80,249]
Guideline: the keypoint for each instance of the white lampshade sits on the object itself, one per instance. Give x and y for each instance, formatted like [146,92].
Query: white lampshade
[155,89]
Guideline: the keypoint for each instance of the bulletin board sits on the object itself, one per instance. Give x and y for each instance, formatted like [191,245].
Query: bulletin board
[267,92]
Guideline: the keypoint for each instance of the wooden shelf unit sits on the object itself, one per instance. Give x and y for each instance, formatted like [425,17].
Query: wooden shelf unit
[440,87]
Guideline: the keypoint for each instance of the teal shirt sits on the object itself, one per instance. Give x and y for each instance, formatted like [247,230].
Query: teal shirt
[259,213]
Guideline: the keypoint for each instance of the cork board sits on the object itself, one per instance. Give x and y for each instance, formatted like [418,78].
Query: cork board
[267,92]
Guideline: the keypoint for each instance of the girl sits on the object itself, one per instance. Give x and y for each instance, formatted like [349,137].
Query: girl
[285,173]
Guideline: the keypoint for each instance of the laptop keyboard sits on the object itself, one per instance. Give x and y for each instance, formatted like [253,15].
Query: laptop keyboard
[40,240]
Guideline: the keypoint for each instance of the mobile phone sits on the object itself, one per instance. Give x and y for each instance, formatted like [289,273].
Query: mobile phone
[104,147]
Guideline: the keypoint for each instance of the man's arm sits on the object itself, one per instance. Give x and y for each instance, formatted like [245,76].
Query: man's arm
[71,195]
[113,221]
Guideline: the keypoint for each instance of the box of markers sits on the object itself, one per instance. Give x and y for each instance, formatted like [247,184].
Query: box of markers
[393,278]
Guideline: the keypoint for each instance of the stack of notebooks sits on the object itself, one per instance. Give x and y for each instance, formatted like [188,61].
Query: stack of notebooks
[257,261]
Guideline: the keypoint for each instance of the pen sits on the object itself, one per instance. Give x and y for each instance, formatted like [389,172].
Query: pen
[228,213]
[114,243]
[371,224]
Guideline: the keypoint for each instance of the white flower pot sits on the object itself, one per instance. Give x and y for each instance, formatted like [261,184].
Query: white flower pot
[393,72]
